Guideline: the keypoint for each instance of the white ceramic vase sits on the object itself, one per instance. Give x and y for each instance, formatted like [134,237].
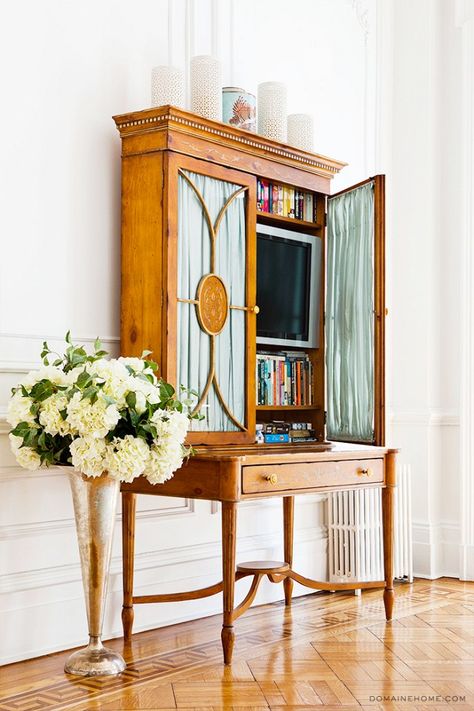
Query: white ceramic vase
[167,86]
[205,84]
[271,110]
[300,131]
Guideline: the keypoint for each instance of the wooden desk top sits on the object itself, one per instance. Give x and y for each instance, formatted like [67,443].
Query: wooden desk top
[232,472]
[286,453]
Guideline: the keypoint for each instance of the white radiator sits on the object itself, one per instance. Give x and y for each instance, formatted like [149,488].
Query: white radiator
[355,542]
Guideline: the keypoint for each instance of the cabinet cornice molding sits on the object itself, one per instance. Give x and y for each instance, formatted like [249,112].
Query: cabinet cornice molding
[171,121]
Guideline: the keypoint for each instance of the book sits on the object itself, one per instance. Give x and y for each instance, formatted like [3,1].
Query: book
[285,201]
[276,438]
[284,378]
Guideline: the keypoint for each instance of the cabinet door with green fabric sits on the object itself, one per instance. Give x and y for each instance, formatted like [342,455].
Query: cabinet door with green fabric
[214,299]
[355,314]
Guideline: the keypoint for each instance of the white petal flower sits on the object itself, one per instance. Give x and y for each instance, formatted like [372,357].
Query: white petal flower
[116,379]
[136,363]
[91,420]
[149,390]
[165,458]
[19,409]
[50,415]
[126,458]
[170,423]
[46,372]
[88,455]
[25,456]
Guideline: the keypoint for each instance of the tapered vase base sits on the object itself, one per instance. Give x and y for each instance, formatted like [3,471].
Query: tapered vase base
[95,662]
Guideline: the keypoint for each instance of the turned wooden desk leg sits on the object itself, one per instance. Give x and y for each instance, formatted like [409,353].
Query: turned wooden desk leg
[128,551]
[288,527]
[229,535]
[388,503]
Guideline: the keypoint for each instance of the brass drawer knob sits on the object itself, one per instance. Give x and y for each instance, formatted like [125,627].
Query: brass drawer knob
[256,309]
[361,472]
[272,478]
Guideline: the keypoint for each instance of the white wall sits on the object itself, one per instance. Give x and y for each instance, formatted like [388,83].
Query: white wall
[425,271]
[67,68]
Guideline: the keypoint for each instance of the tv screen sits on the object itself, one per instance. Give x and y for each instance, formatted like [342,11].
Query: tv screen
[287,285]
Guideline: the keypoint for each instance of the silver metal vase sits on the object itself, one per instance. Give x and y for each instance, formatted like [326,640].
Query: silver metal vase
[95,504]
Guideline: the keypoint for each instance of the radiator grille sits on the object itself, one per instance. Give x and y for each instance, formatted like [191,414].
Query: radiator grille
[355,544]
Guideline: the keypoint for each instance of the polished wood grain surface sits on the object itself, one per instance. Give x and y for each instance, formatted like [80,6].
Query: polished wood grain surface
[325,651]
[254,471]
[170,128]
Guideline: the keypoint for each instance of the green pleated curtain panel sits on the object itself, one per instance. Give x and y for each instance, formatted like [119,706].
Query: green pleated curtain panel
[349,316]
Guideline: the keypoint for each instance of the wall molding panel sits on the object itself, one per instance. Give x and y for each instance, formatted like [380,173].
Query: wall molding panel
[465,22]
[51,594]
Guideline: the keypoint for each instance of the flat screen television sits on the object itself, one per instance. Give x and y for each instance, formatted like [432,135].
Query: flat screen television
[288,287]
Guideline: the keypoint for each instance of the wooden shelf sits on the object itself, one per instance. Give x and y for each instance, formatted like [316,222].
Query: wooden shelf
[270,217]
[288,407]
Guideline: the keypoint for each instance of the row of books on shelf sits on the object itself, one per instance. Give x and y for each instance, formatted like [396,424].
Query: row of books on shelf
[278,432]
[284,378]
[285,201]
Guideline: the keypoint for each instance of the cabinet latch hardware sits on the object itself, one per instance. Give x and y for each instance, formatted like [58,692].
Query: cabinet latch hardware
[366,472]
[253,309]
[272,478]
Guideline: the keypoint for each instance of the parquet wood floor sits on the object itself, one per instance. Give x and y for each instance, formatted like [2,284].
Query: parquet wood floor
[326,651]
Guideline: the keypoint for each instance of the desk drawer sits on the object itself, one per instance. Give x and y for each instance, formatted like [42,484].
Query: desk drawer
[262,479]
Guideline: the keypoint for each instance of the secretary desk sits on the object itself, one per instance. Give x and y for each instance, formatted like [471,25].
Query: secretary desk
[188,294]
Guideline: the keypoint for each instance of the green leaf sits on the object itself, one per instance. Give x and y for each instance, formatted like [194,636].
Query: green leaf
[148,428]
[68,337]
[131,400]
[166,390]
[42,390]
[145,353]
[30,438]
[24,391]
[35,408]
[97,344]
[63,413]
[58,361]
[134,418]
[83,380]
[21,429]
[90,393]
[45,350]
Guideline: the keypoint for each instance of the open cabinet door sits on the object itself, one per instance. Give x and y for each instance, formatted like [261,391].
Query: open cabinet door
[355,314]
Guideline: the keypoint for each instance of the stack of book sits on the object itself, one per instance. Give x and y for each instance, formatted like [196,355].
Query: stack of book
[276,432]
[284,378]
[279,432]
[285,201]
[302,432]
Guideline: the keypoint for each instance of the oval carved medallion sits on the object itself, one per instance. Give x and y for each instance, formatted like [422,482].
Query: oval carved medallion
[213,304]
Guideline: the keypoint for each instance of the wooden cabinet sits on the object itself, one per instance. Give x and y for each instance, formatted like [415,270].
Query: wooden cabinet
[189,222]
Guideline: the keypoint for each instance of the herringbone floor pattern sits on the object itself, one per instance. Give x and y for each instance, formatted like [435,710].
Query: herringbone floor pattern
[327,651]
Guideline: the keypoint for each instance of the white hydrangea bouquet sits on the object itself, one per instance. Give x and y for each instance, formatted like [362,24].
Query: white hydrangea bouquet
[98,415]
